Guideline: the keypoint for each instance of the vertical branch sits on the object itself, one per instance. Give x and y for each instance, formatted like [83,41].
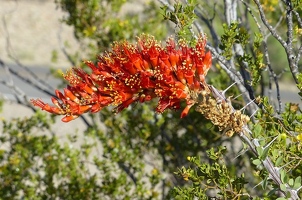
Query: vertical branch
[230,11]
[266,56]
[287,45]
[63,49]
[231,16]
[267,25]
[289,49]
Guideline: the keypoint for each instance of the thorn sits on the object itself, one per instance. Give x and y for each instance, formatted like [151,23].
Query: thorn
[271,142]
[252,115]
[242,151]
[237,96]
[257,184]
[247,105]
[278,168]
[224,91]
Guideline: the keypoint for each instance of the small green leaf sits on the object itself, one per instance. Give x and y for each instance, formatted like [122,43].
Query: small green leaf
[279,161]
[273,191]
[297,183]
[284,176]
[291,182]
[283,187]
[257,130]
[259,151]
[264,153]
[257,162]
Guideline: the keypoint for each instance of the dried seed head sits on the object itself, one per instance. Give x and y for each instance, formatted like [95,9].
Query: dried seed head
[221,114]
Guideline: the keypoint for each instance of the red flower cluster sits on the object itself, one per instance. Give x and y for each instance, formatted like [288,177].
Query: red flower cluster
[135,73]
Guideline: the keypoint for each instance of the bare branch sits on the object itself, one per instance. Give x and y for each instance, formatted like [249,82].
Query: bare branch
[209,25]
[275,27]
[268,26]
[289,49]
[230,11]
[298,56]
[17,92]
[273,75]
[266,56]
[27,80]
[298,18]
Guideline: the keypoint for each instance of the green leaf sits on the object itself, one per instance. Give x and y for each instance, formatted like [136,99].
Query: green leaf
[283,187]
[297,182]
[284,177]
[291,182]
[264,183]
[259,151]
[264,153]
[279,161]
[257,130]
[257,162]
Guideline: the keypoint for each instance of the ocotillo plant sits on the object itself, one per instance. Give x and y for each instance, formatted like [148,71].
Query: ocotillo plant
[254,44]
[137,73]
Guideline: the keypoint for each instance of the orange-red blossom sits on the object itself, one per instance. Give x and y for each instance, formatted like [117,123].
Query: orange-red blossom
[135,73]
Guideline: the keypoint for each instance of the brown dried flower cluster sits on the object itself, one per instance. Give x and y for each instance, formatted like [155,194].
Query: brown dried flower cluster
[222,114]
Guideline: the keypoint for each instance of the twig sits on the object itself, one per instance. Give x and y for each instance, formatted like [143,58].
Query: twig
[166,3]
[266,56]
[298,56]
[208,23]
[27,80]
[298,18]
[268,26]
[10,84]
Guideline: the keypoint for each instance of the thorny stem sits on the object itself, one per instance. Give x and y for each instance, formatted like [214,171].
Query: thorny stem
[245,136]
[234,75]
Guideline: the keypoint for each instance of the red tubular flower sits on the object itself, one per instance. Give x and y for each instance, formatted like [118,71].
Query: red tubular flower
[135,73]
